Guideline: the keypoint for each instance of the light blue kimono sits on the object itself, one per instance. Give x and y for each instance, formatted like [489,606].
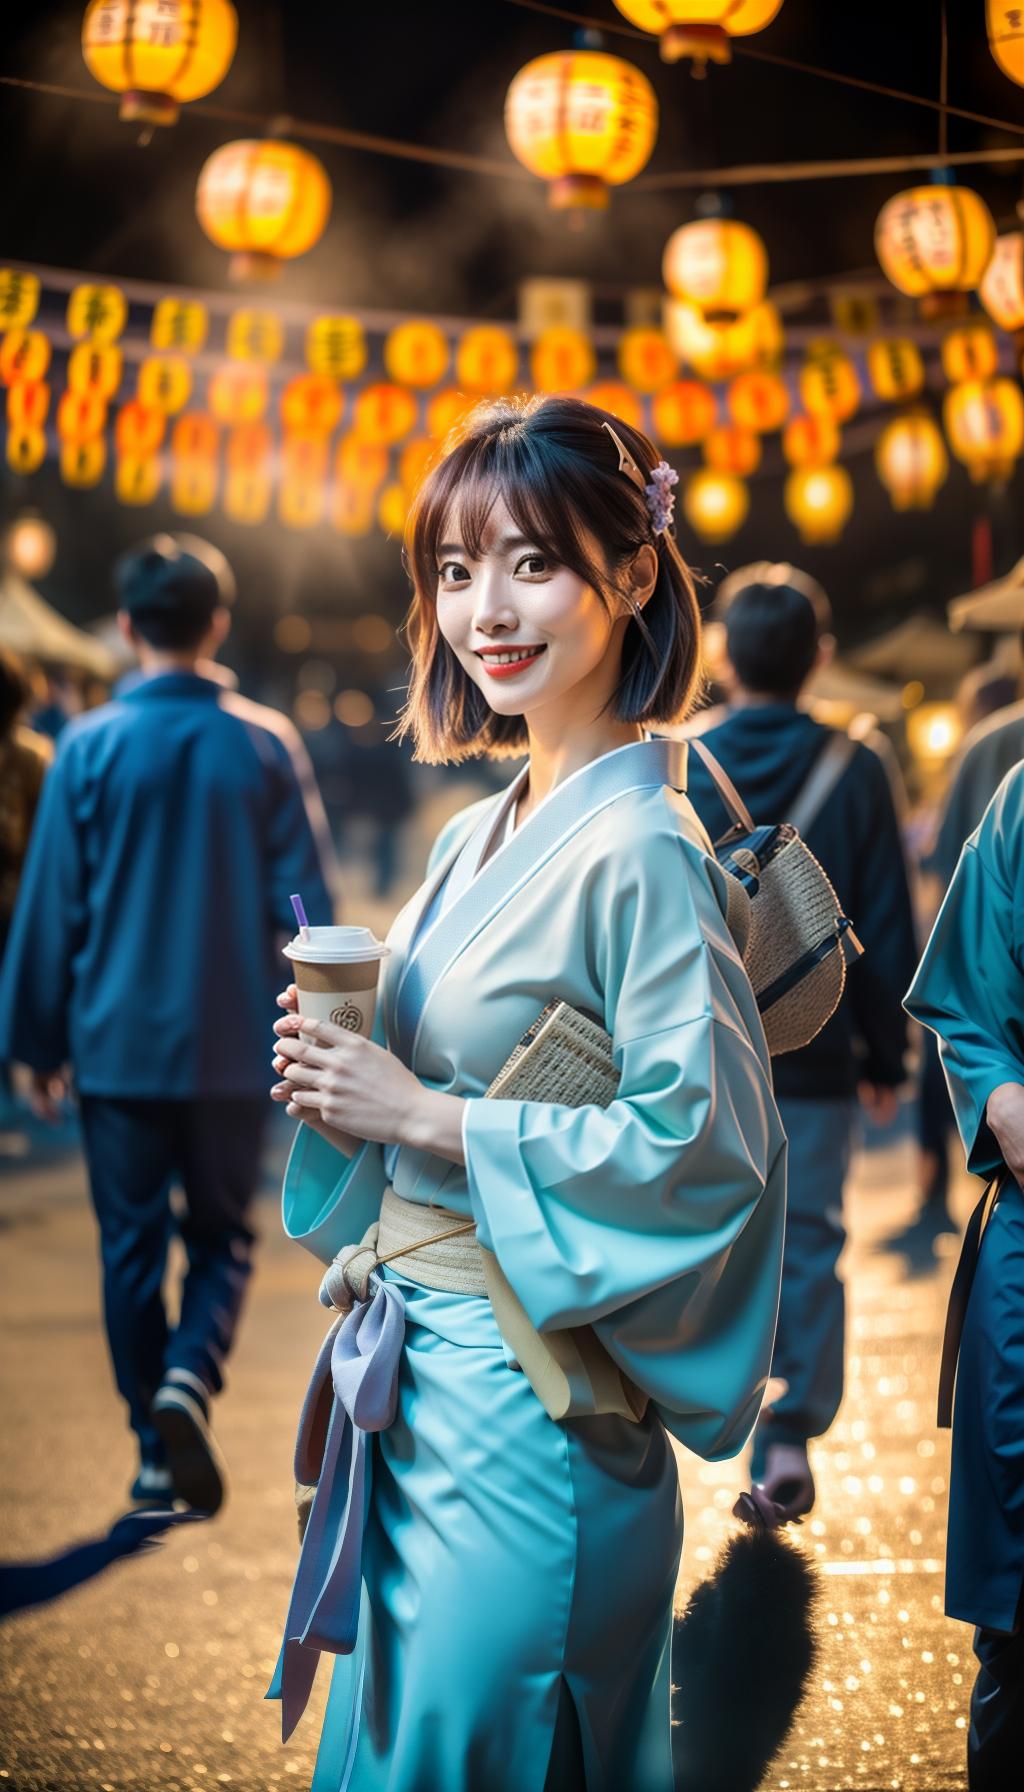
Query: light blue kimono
[512,1564]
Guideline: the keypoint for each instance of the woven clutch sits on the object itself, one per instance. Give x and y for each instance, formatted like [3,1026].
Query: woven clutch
[563,1057]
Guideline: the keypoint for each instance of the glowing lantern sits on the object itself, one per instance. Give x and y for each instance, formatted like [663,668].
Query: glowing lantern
[311,405]
[179,324]
[237,393]
[265,200]
[810,441]
[99,312]
[683,413]
[193,486]
[584,121]
[24,355]
[1002,287]
[384,414]
[645,359]
[934,731]
[416,354]
[619,401]
[911,459]
[700,29]
[248,449]
[255,336]
[28,402]
[719,265]
[159,54]
[94,368]
[360,464]
[393,509]
[82,463]
[719,350]
[26,449]
[969,352]
[164,383]
[715,504]
[561,360]
[1006,37]
[415,462]
[138,432]
[19,298]
[730,449]
[829,386]
[934,240]
[819,501]
[137,481]
[195,438]
[446,411]
[81,416]
[758,401]
[895,368]
[486,360]
[300,502]
[337,346]
[352,509]
[984,421]
[246,496]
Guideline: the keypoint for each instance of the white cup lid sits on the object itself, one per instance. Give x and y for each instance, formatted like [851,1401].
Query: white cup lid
[337,945]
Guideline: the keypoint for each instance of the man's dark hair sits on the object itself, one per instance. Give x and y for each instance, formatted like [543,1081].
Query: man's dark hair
[170,587]
[774,619]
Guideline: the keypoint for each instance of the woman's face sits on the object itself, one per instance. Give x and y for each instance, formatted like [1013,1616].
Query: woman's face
[513,601]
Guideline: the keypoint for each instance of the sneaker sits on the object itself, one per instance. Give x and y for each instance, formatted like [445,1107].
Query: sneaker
[787,1480]
[152,1486]
[179,1412]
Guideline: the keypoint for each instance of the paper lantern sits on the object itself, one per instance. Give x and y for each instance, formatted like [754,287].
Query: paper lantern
[159,54]
[829,386]
[179,324]
[611,396]
[683,414]
[934,240]
[416,354]
[352,509]
[719,265]
[645,359]
[264,200]
[99,312]
[384,414]
[24,355]
[393,509]
[19,298]
[984,422]
[895,368]
[810,441]
[138,431]
[311,405]
[360,464]
[193,486]
[246,497]
[300,502]
[249,449]
[446,410]
[137,481]
[718,350]
[164,383]
[336,346]
[561,360]
[82,463]
[819,501]
[255,336]
[715,504]
[969,352]
[486,361]
[26,449]
[1006,37]
[28,402]
[1002,286]
[911,460]
[415,462]
[95,368]
[582,120]
[758,401]
[195,437]
[730,449]
[81,416]
[700,29]
[237,393]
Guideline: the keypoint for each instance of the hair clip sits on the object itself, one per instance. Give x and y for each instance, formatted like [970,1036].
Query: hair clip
[658,495]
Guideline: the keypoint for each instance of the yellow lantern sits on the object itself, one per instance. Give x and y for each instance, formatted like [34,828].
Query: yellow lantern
[28,402]
[715,504]
[719,265]
[255,336]
[360,464]
[237,393]
[159,54]
[81,416]
[758,401]
[265,200]
[19,298]
[1002,287]
[895,368]
[415,462]
[969,352]
[337,346]
[138,432]
[683,414]
[984,421]
[829,386]
[819,501]
[486,361]
[584,121]
[619,401]
[700,29]
[561,360]
[934,731]
[99,312]
[300,502]
[730,449]
[810,441]
[193,486]
[246,496]
[179,324]
[195,438]
[416,354]
[911,460]
[718,350]
[645,360]
[934,240]
[137,481]
[26,449]
[1006,37]
[446,410]
[384,414]
[352,509]
[311,405]
[82,463]
[248,449]
[393,509]
[24,355]
[164,383]
[95,368]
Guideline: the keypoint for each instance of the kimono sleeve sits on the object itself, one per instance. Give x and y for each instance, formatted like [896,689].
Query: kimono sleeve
[969,987]
[659,1219]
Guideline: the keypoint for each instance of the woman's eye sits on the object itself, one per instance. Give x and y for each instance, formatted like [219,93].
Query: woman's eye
[532,564]
[453,572]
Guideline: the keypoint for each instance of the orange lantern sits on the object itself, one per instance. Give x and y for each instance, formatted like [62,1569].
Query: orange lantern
[1002,286]
[304,459]
[82,463]
[561,360]
[730,449]
[24,355]
[415,462]
[984,421]
[159,54]
[719,350]
[266,201]
[717,264]
[246,496]
[136,481]
[193,486]
[311,405]
[81,416]
[393,509]
[911,460]
[486,361]
[829,386]
[619,400]
[180,325]
[895,368]
[237,393]
[19,298]
[683,413]
[969,352]
[352,509]
[819,501]
[195,438]
[255,336]
[1005,25]
[98,312]
[416,354]
[336,346]
[138,431]
[700,29]
[810,441]
[360,464]
[249,449]
[446,410]
[164,383]
[384,414]
[758,401]
[645,359]
[28,402]
[582,120]
[26,449]
[935,240]
[715,504]
[95,368]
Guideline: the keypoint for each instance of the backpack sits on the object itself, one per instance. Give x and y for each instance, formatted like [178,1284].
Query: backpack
[798,943]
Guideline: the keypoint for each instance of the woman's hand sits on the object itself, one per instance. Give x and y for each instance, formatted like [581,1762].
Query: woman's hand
[343,1080]
[1004,1112]
[282,1092]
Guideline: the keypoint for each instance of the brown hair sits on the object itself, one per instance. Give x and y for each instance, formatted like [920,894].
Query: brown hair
[557,470]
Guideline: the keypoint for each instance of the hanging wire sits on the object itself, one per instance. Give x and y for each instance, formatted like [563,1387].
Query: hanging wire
[943,82]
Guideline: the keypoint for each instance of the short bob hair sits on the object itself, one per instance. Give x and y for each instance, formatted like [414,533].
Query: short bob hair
[557,470]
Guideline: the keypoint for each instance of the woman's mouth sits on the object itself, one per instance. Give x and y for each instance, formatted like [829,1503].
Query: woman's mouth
[516,660]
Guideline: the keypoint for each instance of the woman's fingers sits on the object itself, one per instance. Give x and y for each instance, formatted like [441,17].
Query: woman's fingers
[289,998]
[305,1076]
[301,1049]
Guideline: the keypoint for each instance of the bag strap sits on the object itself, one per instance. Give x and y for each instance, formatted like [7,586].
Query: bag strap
[960,1294]
[732,802]
[825,774]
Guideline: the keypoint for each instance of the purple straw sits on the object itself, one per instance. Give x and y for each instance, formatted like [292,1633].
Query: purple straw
[300,916]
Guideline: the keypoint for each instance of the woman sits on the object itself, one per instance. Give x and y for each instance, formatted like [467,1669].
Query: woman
[519,1570]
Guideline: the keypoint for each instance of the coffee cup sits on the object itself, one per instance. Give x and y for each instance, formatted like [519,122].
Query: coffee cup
[336,971]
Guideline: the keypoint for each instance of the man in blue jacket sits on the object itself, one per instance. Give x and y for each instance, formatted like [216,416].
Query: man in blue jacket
[789,767]
[143,954]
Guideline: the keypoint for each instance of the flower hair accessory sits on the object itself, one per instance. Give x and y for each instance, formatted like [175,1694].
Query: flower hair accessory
[661,499]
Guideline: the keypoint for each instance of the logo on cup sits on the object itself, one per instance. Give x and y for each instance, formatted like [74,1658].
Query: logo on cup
[348,1016]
